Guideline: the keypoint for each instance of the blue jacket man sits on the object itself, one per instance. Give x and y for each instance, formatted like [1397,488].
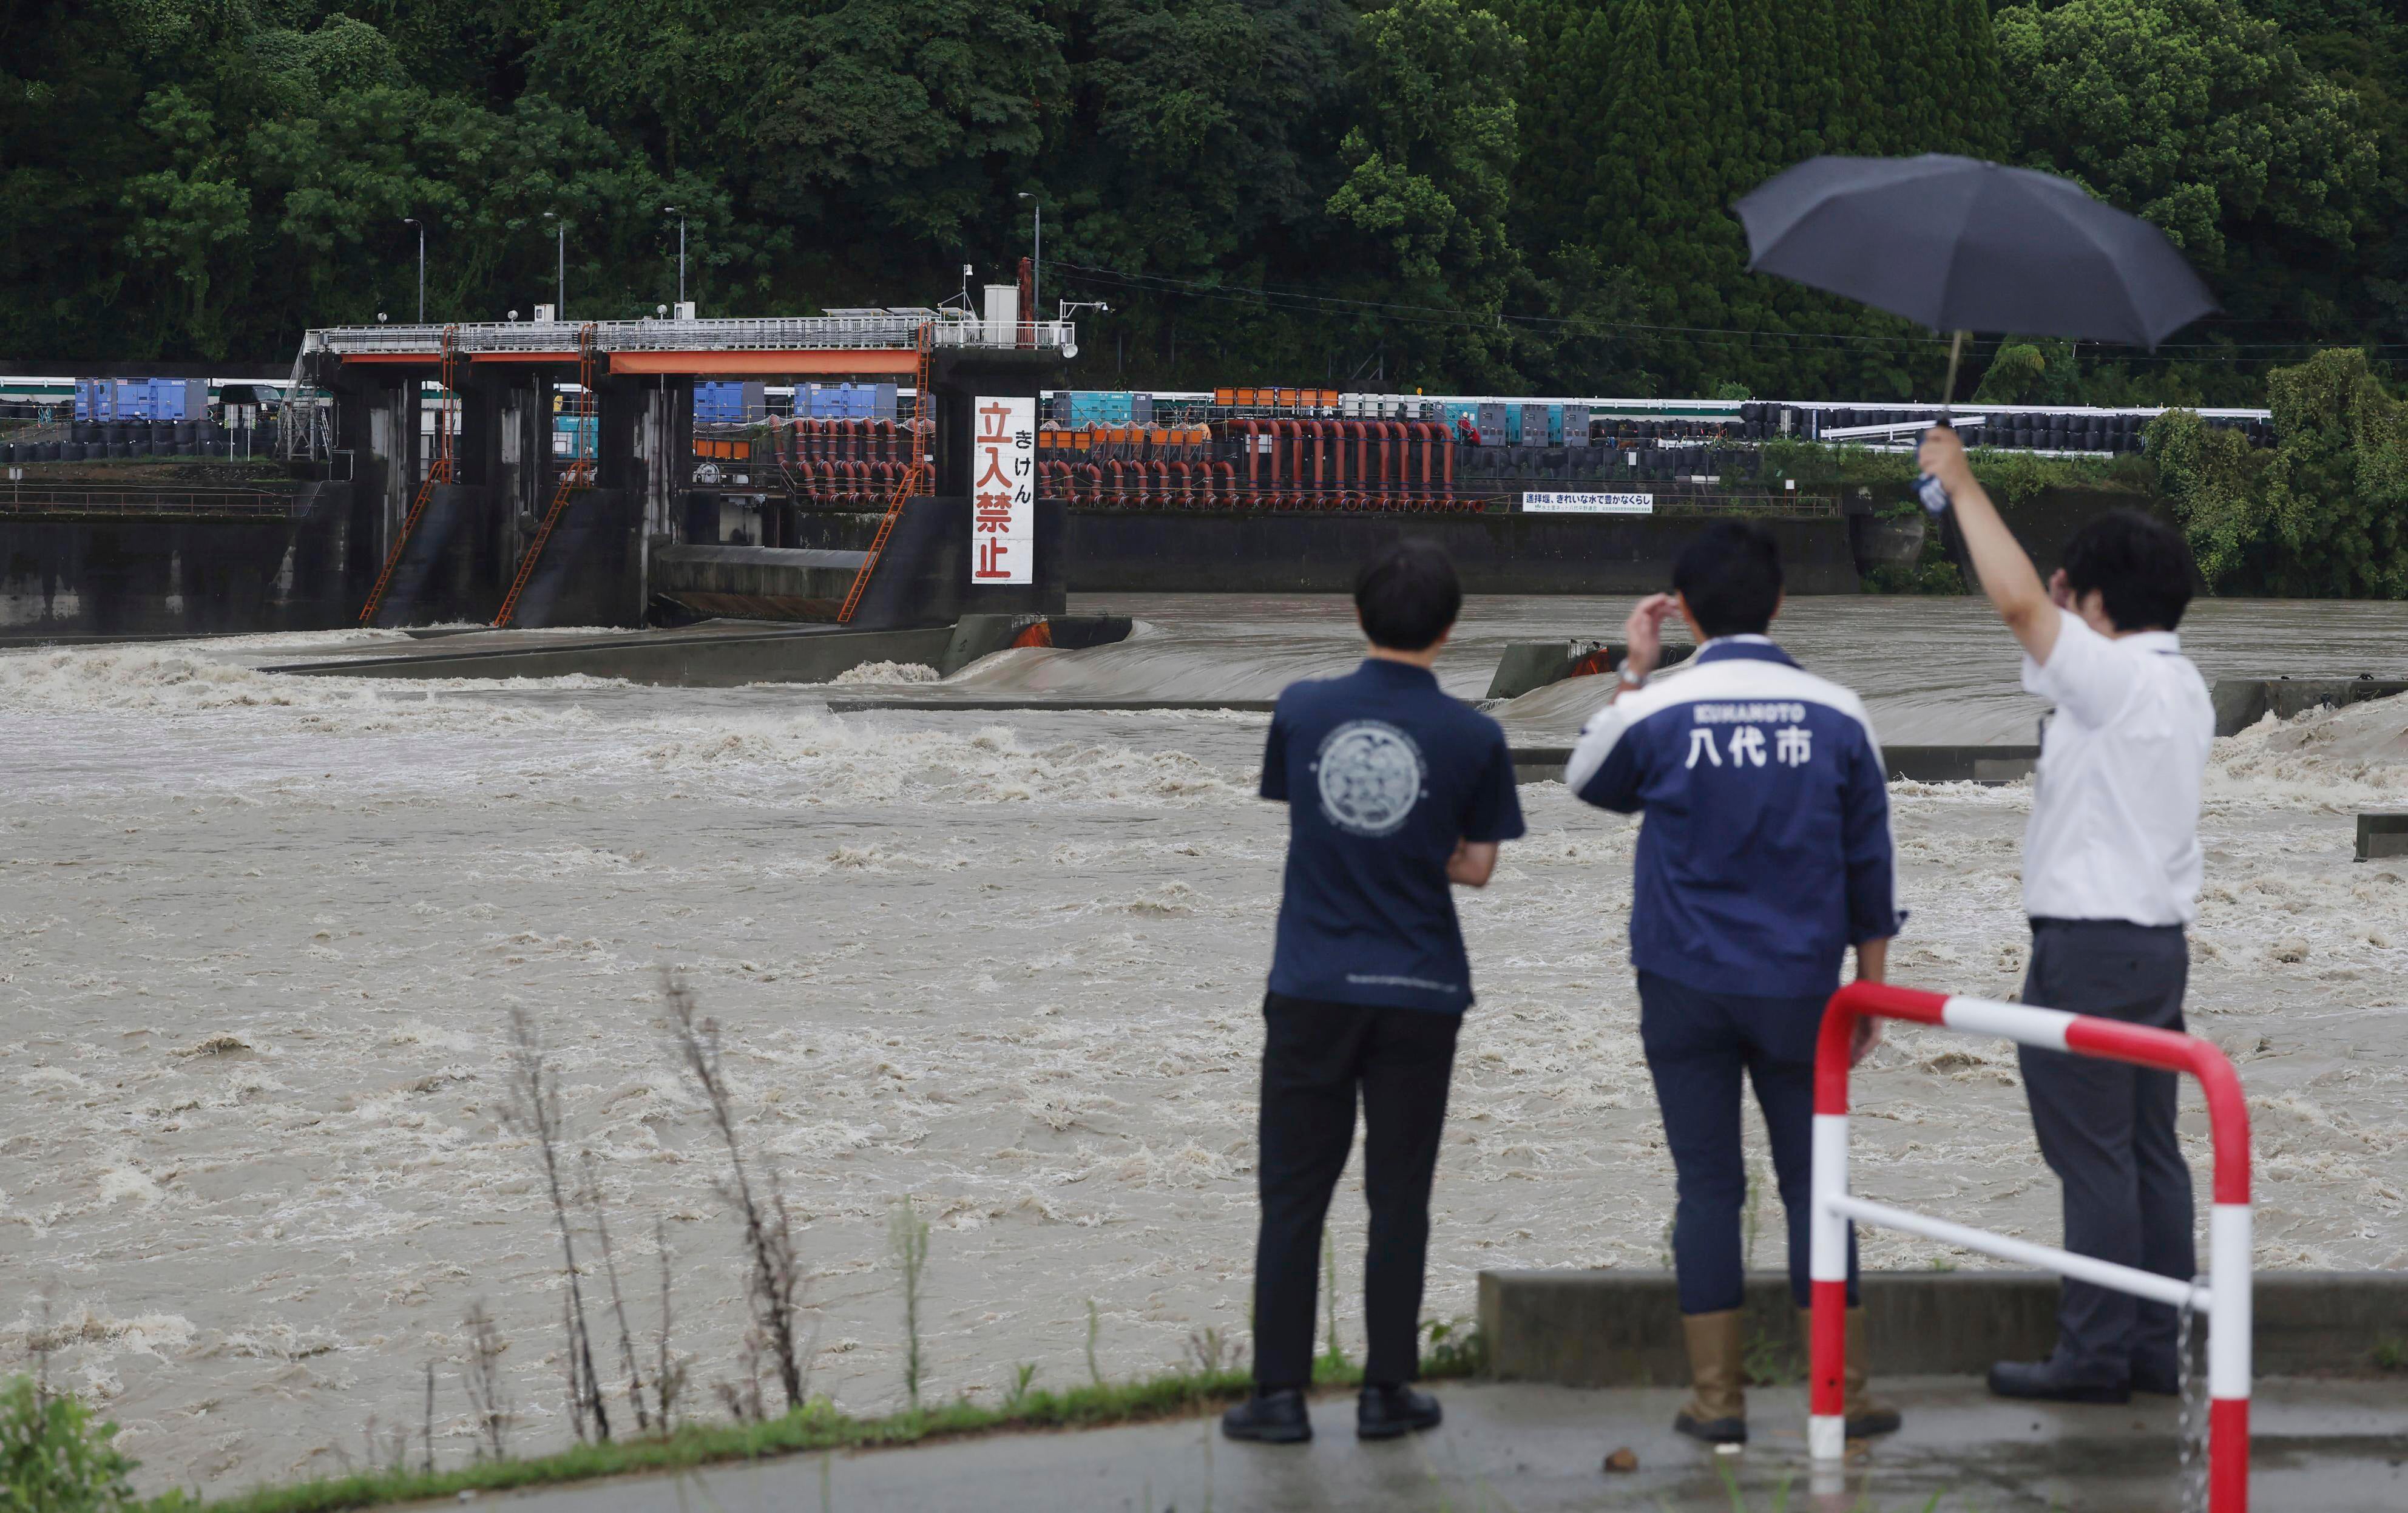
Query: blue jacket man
[1765,856]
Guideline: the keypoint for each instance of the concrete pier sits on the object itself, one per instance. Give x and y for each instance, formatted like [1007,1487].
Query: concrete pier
[1623,1328]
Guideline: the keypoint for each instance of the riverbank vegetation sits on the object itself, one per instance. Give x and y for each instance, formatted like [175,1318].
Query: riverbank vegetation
[1512,196]
[2321,514]
[76,1470]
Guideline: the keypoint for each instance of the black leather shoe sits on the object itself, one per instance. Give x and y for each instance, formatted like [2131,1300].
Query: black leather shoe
[1274,1417]
[1394,1412]
[2056,1381]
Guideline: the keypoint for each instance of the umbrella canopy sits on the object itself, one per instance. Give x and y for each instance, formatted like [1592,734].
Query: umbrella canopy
[1957,244]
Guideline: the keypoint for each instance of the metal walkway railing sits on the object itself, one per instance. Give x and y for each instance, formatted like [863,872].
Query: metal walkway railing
[2225,1293]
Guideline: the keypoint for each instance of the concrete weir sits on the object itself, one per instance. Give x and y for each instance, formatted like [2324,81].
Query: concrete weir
[2241,702]
[722,654]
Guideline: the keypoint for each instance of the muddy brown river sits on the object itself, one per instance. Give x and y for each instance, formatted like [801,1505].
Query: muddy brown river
[262,935]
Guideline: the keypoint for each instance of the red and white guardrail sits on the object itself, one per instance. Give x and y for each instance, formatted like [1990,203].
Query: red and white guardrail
[2224,1298]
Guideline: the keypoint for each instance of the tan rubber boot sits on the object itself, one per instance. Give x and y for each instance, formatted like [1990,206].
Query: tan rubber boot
[1866,1414]
[1716,1411]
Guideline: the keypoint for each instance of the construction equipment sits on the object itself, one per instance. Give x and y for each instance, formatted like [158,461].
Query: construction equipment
[915,479]
[578,475]
[439,470]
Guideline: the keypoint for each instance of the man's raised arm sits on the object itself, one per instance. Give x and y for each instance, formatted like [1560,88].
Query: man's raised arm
[2007,574]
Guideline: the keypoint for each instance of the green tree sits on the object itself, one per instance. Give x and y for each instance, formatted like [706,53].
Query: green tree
[1431,162]
[2216,483]
[2337,485]
[2190,113]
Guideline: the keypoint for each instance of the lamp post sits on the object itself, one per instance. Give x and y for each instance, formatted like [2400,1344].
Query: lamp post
[560,300]
[413,221]
[1037,258]
[680,213]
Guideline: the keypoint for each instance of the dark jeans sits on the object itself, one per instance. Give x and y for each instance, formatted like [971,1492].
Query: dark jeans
[1315,1056]
[2107,1130]
[1699,1045]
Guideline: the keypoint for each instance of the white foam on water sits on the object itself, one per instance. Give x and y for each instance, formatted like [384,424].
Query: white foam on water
[885,672]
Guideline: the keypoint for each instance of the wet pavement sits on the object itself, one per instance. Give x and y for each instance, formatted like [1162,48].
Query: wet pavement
[2321,1447]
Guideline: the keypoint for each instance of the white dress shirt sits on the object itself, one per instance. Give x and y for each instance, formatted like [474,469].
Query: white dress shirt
[2115,821]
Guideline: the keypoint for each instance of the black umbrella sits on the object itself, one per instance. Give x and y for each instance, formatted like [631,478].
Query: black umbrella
[1961,245]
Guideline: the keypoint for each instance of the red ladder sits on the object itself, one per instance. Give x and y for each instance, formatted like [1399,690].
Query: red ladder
[915,479]
[579,475]
[440,470]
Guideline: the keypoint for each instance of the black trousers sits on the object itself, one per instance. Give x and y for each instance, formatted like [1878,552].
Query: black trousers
[1315,1057]
[2107,1130]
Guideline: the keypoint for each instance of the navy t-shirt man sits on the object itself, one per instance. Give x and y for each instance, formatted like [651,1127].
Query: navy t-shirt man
[1385,776]
[1394,792]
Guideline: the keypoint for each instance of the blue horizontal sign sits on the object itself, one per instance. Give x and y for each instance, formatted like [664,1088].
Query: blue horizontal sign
[1588,504]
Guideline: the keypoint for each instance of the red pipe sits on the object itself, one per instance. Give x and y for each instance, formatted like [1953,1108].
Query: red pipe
[1446,458]
[1246,430]
[1319,432]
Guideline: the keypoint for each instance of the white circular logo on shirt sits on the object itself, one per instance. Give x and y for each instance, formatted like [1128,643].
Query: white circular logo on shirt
[1371,775]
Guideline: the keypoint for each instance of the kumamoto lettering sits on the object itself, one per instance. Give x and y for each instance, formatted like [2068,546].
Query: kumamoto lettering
[1747,713]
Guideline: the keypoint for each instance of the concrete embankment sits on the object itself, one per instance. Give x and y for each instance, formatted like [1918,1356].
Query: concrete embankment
[1623,1328]
[202,562]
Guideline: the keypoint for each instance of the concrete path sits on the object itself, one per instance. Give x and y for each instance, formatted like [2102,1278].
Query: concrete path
[2320,1447]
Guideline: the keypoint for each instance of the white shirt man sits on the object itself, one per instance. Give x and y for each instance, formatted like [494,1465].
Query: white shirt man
[2115,822]
[2112,870]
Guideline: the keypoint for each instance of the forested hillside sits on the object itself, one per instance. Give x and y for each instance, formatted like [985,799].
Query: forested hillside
[1466,194]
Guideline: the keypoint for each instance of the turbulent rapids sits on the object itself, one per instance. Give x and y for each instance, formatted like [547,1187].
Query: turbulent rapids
[262,934]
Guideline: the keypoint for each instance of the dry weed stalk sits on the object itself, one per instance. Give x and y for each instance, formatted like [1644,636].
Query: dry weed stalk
[533,1107]
[774,1289]
[669,1376]
[907,1235]
[593,1196]
[743,1398]
[489,1404]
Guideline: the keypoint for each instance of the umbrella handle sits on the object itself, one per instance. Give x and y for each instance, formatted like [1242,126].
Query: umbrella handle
[1928,488]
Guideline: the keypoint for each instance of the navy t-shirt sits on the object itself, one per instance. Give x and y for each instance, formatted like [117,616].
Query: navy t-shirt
[1382,773]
